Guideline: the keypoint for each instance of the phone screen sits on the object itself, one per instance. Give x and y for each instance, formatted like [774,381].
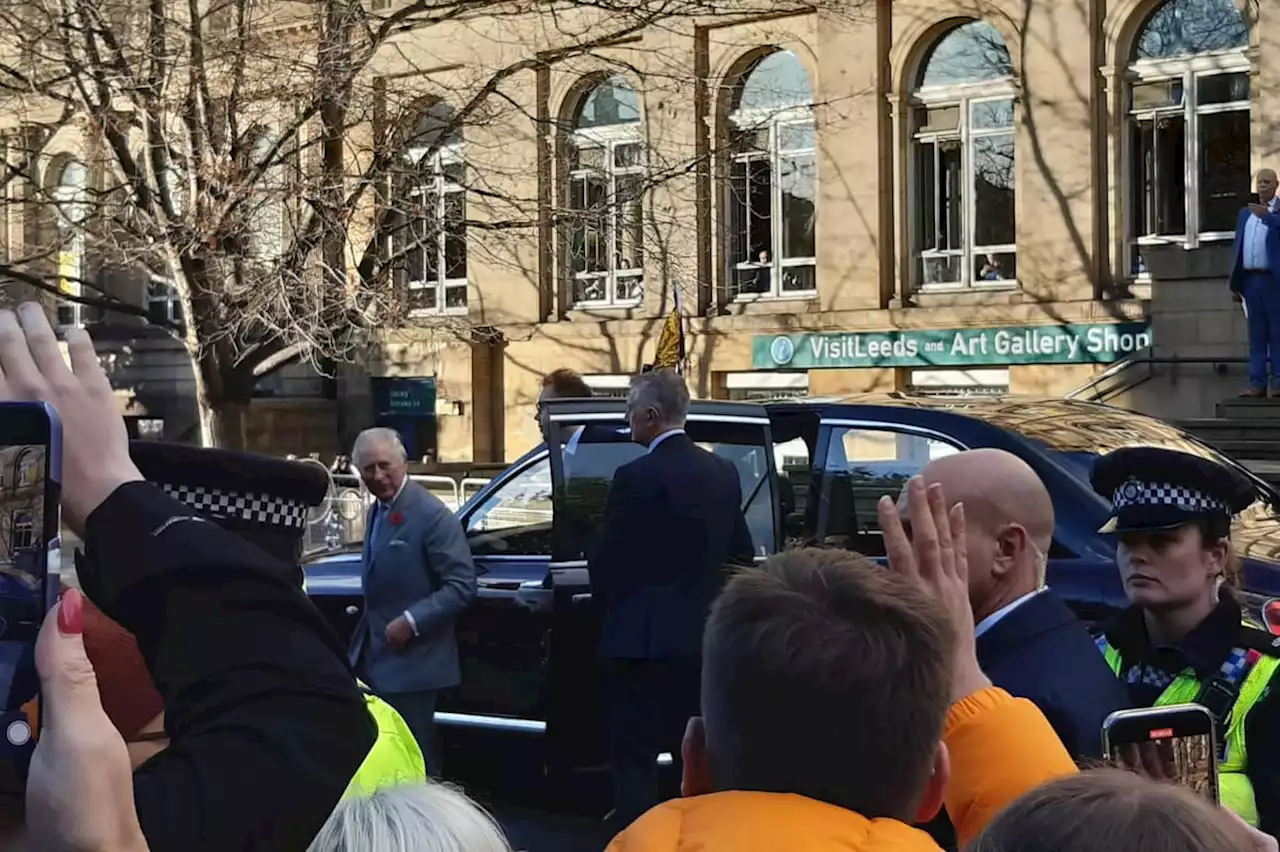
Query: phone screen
[1177,747]
[30,569]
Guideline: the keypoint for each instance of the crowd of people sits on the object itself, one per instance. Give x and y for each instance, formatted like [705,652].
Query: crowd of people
[832,703]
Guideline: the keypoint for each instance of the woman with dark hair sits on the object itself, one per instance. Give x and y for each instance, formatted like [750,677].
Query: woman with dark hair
[1107,809]
[1185,638]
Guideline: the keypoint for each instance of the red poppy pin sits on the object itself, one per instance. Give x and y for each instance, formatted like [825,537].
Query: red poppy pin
[396,519]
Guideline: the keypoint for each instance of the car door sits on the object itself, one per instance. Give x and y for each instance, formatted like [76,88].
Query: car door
[590,442]
[502,635]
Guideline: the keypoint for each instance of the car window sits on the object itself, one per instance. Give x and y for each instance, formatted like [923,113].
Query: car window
[591,459]
[862,465]
[515,520]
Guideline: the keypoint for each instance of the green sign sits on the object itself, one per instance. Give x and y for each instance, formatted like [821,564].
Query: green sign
[1086,343]
[397,397]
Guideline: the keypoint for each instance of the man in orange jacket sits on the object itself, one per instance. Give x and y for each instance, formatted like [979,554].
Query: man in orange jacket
[842,703]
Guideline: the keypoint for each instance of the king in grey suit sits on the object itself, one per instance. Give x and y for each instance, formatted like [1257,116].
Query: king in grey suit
[418,576]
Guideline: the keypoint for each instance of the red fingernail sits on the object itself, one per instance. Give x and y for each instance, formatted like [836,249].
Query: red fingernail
[71,613]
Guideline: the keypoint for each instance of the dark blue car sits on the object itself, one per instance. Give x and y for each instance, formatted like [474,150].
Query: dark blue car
[812,471]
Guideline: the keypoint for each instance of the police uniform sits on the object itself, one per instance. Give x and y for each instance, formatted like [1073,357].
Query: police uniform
[267,501]
[1226,663]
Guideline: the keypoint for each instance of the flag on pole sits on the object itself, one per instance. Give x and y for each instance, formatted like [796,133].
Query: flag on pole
[670,352]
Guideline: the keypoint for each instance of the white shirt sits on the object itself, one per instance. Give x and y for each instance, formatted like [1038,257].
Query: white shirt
[1254,248]
[990,621]
[653,445]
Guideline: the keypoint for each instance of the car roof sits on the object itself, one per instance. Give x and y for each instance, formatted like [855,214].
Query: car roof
[614,405]
[1069,425]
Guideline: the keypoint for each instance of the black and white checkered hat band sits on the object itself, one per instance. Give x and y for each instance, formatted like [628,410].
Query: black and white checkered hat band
[1135,492]
[234,505]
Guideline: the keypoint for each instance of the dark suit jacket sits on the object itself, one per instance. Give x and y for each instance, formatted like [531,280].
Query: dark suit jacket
[1272,222]
[1042,652]
[673,524]
[265,720]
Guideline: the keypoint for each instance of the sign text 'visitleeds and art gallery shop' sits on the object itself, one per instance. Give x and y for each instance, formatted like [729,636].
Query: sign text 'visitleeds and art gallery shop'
[1085,343]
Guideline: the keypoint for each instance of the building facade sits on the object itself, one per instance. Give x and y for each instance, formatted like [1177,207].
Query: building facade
[1034,197]
[910,196]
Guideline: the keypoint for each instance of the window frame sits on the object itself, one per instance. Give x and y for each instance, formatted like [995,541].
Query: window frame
[610,138]
[963,96]
[71,240]
[1190,69]
[743,121]
[21,520]
[430,180]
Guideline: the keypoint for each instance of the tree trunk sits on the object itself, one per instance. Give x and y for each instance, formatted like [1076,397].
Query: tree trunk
[222,402]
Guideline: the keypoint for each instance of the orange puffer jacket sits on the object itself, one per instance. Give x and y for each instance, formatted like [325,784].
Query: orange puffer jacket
[1000,748]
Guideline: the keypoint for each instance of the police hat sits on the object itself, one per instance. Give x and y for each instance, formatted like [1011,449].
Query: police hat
[1156,489]
[263,499]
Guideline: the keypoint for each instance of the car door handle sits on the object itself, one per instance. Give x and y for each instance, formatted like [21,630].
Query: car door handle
[533,596]
[582,599]
[353,610]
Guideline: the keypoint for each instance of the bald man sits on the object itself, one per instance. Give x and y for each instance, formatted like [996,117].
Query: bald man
[1029,642]
[1255,279]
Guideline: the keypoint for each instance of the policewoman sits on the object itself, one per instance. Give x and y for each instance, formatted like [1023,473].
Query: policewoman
[267,501]
[1185,637]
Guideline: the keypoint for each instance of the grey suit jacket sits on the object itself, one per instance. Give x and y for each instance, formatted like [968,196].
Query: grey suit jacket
[421,564]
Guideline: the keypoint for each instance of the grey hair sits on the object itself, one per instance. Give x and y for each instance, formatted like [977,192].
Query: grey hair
[378,435]
[427,817]
[663,390]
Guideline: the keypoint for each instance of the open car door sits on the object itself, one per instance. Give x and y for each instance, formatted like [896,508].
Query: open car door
[589,440]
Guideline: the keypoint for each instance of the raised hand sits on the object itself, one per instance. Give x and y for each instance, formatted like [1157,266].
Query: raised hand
[935,556]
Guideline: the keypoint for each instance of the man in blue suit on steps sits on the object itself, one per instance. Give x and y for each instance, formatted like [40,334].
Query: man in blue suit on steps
[1030,643]
[1255,278]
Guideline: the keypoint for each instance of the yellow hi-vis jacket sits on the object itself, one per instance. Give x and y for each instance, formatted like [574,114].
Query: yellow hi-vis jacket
[1235,790]
[395,758]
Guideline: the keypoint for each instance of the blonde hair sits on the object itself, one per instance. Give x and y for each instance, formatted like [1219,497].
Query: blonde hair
[428,817]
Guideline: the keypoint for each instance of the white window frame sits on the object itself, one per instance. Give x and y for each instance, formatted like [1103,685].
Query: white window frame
[610,138]
[432,183]
[71,241]
[1189,69]
[163,298]
[963,96]
[776,121]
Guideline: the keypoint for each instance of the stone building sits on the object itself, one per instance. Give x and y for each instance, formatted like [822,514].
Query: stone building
[1035,197]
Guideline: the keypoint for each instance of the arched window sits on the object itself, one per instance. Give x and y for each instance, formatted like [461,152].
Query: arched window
[1188,128]
[772,181]
[963,167]
[435,239]
[606,171]
[71,202]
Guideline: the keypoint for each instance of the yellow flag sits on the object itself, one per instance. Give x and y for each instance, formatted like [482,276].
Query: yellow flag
[671,342]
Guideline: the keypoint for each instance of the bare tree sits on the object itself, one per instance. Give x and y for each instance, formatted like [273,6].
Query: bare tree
[251,159]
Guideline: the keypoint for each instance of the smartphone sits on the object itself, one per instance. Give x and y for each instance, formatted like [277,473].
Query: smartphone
[30,571]
[1175,743]
[1254,198]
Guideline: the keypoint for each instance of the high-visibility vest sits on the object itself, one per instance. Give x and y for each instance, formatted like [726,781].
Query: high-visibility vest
[1235,790]
[395,759]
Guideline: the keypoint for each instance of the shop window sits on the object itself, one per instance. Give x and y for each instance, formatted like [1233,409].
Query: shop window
[772,182]
[1187,134]
[605,164]
[963,164]
[434,241]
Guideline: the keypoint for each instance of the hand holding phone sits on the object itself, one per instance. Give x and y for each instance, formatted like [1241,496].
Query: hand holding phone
[1175,744]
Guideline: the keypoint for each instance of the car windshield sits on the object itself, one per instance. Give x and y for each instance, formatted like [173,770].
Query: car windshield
[1075,435]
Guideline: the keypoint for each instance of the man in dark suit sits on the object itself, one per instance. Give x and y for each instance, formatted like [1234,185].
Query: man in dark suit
[1255,279]
[1030,643]
[418,577]
[673,524]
